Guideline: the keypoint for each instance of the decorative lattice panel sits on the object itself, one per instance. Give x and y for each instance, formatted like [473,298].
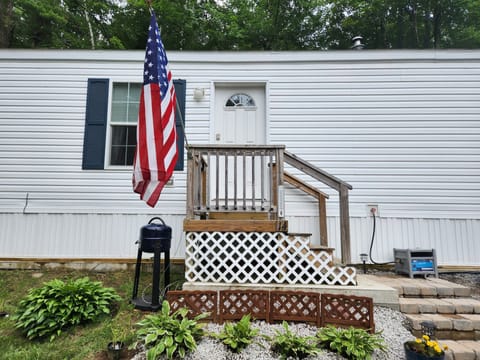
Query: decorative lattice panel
[236,303]
[295,306]
[340,310]
[347,310]
[240,257]
[197,302]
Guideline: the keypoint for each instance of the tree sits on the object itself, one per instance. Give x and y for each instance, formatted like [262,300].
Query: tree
[241,24]
[404,23]
[6,22]
[74,24]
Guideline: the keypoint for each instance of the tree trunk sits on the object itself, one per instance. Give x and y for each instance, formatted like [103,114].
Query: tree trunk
[437,18]
[6,22]
[92,39]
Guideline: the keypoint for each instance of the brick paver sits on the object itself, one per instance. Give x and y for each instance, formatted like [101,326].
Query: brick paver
[460,351]
[450,306]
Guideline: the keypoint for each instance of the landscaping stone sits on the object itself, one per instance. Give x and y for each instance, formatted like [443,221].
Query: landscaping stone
[460,323]
[474,345]
[461,352]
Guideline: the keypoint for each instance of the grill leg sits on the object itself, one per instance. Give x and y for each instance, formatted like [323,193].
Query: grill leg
[156,277]
[137,274]
[166,266]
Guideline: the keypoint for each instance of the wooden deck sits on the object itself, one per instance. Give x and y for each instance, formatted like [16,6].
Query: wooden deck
[228,225]
[241,189]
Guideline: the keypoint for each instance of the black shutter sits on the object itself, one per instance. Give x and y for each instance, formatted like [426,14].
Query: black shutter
[180,91]
[95,124]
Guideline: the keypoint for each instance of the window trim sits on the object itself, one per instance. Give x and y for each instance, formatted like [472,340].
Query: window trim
[97,127]
[108,137]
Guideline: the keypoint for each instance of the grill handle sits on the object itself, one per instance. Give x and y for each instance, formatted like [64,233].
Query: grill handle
[156,218]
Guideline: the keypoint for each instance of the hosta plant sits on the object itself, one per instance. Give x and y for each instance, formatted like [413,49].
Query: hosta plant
[170,334]
[45,311]
[239,335]
[352,343]
[288,344]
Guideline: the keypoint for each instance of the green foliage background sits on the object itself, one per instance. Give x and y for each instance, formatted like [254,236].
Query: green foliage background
[241,24]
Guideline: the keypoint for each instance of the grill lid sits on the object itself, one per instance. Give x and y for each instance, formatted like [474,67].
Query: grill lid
[155,234]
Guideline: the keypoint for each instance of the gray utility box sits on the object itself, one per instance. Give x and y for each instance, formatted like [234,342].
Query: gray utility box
[415,262]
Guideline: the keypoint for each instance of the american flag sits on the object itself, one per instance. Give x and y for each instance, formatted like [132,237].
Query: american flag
[156,152]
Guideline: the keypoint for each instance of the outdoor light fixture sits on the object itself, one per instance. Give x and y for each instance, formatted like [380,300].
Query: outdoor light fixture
[198,94]
[428,328]
[364,258]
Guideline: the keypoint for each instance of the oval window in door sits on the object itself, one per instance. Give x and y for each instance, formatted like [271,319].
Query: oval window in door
[240,99]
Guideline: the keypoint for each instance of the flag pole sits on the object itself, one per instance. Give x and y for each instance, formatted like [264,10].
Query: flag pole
[149,3]
[187,146]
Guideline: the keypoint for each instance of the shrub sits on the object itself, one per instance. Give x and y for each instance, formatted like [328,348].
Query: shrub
[238,336]
[172,334]
[352,343]
[288,344]
[45,311]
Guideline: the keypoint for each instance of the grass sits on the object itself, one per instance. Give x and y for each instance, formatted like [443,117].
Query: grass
[85,342]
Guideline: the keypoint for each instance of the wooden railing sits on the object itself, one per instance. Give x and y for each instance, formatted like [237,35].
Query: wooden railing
[247,181]
[321,198]
[224,178]
[335,183]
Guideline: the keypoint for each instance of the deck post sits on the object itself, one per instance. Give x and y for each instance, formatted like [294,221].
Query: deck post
[322,220]
[344,225]
[190,188]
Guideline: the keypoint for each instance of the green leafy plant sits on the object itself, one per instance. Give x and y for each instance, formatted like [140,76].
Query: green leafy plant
[288,344]
[2,306]
[172,334]
[239,335]
[45,311]
[352,343]
[118,333]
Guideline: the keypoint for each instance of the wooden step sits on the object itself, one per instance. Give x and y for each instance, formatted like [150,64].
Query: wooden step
[313,249]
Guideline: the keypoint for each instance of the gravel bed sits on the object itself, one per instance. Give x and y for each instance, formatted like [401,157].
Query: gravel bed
[470,279]
[387,321]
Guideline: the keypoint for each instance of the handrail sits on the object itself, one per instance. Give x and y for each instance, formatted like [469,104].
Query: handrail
[317,194]
[315,172]
[335,183]
[302,185]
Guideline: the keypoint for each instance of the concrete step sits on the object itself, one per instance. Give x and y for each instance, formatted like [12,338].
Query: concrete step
[440,306]
[429,287]
[449,326]
[448,305]
[462,349]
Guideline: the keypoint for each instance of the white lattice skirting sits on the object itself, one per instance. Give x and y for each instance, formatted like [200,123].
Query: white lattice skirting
[260,258]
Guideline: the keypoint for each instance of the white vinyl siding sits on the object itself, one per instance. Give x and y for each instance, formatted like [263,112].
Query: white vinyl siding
[402,127]
[404,134]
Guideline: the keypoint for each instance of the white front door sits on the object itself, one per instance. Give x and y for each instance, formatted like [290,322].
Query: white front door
[240,115]
[239,120]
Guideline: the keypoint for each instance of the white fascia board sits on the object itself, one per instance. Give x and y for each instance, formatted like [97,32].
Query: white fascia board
[243,56]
